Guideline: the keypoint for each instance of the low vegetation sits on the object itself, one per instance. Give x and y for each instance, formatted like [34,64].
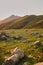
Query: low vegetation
[32,54]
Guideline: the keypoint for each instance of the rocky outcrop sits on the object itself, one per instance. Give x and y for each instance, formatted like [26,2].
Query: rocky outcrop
[17,54]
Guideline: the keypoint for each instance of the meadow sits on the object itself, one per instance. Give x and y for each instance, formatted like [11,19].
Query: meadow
[28,48]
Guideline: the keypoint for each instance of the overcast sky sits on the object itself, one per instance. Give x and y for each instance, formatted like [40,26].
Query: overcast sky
[20,7]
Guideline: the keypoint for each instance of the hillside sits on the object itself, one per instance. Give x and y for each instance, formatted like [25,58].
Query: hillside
[26,22]
[9,19]
[38,24]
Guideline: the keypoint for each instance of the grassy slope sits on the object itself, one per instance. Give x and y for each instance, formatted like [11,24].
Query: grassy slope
[26,47]
[38,24]
[23,22]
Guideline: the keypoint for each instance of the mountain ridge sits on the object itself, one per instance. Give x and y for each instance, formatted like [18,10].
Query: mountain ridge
[24,22]
[8,19]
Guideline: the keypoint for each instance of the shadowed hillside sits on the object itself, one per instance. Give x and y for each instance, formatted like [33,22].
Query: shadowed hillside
[25,22]
[38,24]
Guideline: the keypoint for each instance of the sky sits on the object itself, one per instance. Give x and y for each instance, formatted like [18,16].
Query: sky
[20,7]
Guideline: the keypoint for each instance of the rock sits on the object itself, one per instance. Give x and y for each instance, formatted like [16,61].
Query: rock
[17,54]
[40,63]
[40,35]
[18,51]
[4,36]
[30,56]
[26,41]
[17,37]
[34,33]
[26,63]
[37,43]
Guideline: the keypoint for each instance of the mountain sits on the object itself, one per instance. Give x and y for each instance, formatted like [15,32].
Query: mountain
[9,19]
[25,22]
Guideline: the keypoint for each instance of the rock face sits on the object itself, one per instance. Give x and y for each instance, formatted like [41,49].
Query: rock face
[40,63]
[17,54]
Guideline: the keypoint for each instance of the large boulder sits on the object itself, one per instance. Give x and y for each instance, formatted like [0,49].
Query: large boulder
[17,54]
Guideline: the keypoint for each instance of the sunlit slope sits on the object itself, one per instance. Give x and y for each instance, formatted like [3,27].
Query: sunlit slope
[25,22]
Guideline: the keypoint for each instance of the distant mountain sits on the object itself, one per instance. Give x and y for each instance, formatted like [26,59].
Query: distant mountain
[25,22]
[9,19]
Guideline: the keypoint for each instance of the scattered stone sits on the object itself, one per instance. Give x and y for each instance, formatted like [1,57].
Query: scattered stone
[34,33]
[37,44]
[4,36]
[3,33]
[26,41]
[17,37]
[30,56]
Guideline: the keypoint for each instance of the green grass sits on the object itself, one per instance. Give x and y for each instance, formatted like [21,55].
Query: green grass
[28,48]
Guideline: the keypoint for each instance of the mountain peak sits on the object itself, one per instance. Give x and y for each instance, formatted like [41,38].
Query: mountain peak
[14,16]
[10,18]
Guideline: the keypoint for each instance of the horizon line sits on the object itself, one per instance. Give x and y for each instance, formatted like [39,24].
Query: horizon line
[1,18]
